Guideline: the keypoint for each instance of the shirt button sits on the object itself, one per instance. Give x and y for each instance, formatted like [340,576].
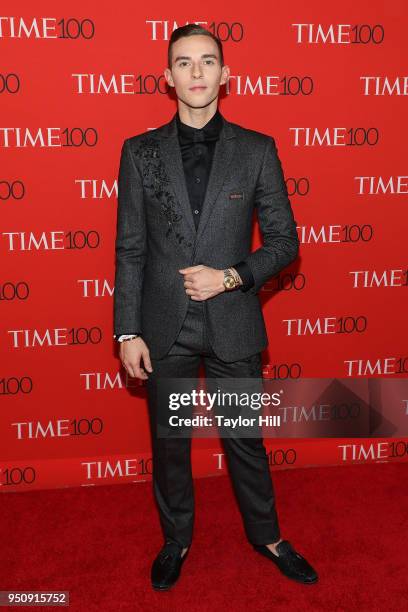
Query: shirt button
[196,212]
[197,179]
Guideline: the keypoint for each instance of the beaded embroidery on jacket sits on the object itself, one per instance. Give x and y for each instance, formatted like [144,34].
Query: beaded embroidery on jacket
[157,181]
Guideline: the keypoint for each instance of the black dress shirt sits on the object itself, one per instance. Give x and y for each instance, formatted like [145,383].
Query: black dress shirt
[197,147]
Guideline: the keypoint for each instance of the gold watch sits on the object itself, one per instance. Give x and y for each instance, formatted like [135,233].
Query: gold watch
[231,279]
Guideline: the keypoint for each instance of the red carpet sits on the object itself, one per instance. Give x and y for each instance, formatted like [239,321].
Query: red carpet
[98,543]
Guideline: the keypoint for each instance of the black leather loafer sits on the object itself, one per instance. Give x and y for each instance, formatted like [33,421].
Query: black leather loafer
[290,562]
[166,567]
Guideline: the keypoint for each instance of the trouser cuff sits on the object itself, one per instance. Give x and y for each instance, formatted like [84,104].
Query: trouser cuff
[263,532]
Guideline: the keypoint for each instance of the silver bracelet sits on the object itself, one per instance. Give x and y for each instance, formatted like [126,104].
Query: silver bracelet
[125,337]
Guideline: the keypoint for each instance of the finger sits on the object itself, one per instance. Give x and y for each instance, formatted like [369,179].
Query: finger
[146,361]
[191,269]
[134,370]
[139,372]
[129,370]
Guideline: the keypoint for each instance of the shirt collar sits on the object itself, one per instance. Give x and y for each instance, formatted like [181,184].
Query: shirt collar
[211,129]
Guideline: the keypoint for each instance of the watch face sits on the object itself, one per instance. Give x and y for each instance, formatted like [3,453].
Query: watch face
[229,282]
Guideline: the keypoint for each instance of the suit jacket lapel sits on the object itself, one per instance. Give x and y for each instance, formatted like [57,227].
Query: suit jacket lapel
[223,154]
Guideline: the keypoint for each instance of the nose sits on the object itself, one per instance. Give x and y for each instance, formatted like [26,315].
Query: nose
[197,71]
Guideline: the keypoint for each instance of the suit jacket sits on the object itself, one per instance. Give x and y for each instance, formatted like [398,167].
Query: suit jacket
[156,236]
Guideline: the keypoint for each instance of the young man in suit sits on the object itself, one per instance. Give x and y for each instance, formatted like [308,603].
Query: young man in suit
[186,284]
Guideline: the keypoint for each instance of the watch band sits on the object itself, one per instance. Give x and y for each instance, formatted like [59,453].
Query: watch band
[236,275]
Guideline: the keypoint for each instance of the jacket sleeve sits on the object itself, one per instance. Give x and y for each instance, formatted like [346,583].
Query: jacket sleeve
[276,221]
[130,245]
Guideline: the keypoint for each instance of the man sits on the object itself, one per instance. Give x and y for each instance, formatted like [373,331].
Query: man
[186,284]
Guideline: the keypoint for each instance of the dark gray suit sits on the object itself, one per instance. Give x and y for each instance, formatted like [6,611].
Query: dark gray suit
[156,236]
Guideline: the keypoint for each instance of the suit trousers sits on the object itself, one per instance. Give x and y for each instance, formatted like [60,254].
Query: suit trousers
[246,457]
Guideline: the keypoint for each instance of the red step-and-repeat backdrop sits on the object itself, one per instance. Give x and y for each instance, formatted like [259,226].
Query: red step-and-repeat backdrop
[329,82]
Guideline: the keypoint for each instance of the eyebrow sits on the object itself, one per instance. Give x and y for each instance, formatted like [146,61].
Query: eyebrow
[186,57]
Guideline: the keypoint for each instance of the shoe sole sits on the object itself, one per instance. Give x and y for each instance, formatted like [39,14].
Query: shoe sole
[157,588]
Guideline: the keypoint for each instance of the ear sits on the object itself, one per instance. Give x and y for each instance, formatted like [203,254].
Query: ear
[225,74]
[168,77]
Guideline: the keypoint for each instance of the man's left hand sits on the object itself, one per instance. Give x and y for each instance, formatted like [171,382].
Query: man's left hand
[202,282]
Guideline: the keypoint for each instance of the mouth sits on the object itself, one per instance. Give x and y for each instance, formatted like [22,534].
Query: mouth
[198,88]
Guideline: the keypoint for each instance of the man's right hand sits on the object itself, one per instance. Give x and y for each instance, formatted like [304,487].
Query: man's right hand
[131,352]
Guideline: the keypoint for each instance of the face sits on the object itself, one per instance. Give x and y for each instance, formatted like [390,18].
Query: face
[196,72]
